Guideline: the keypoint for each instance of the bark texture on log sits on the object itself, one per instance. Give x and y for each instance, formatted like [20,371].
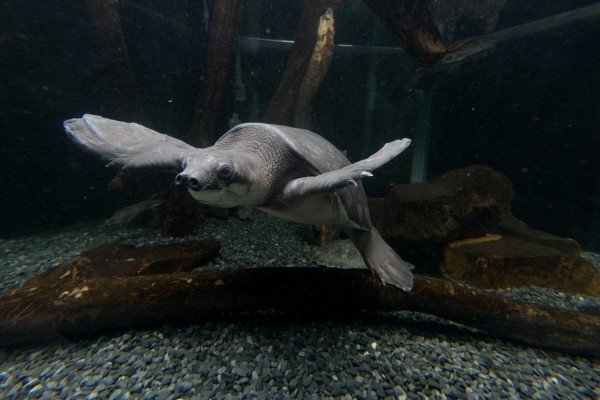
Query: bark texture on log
[281,109]
[105,287]
[317,69]
[67,301]
[183,213]
[221,42]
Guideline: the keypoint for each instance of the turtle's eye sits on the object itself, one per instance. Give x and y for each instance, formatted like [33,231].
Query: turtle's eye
[225,173]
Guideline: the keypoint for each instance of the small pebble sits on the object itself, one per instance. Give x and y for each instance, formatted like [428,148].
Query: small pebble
[36,391]
[184,386]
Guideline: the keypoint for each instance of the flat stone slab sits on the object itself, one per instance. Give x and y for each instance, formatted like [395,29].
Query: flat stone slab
[496,261]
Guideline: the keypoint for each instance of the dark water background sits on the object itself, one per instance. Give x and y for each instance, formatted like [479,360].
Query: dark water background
[531,109]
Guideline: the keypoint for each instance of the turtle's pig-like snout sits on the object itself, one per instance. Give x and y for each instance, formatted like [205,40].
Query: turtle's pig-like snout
[189,181]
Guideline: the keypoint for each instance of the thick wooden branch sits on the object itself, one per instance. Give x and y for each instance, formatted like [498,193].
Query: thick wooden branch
[223,28]
[412,25]
[69,300]
[317,68]
[115,61]
[480,44]
[281,109]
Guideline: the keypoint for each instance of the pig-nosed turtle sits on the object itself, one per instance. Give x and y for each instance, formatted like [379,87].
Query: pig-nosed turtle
[287,172]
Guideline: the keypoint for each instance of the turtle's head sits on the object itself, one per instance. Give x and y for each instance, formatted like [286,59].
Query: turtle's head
[217,179]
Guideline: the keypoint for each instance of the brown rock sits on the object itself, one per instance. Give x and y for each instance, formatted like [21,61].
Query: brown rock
[512,226]
[465,202]
[495,261]
[496,250]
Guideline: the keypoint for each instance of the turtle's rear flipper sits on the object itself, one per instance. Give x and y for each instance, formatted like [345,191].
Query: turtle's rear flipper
[382,259]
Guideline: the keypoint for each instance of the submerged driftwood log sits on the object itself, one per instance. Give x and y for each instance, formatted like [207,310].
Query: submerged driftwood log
[481,44]
[116,286]
[313,45]
[183,213]
[114,64]
[413,27]
[221,43]
[317,68]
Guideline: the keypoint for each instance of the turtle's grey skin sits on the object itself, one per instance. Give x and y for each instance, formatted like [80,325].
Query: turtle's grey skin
[287,172]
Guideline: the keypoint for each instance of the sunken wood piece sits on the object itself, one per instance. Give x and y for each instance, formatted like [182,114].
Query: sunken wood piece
[123,260]
[317,69]
[115,56]
[221,42]
[183,213]
[282,107]
[107,286]
[60,303]
[413,26]
[480,44]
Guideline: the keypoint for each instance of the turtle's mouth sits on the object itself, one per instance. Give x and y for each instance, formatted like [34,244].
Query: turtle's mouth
[205,191]
[207,195]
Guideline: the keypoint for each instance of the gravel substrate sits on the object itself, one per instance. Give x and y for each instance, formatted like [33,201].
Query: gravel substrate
[270,356]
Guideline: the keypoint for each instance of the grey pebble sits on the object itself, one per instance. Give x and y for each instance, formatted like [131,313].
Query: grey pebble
[48,395]
[306,381]
[90,381]
[36,391]
[137,388]
[184,386]
[94,395]
[378,389]
[31,382]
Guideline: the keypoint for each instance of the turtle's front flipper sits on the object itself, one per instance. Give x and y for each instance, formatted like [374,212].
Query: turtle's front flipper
[126,144]
[333,180]
[381,258]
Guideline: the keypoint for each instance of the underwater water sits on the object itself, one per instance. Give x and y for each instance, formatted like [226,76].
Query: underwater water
[496,202]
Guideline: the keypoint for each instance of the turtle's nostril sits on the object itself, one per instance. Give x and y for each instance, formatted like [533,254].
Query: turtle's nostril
[185,179]
[181,179]
[193,183]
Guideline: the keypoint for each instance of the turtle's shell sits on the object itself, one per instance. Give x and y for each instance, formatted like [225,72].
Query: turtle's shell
[296,153]
[314,149]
